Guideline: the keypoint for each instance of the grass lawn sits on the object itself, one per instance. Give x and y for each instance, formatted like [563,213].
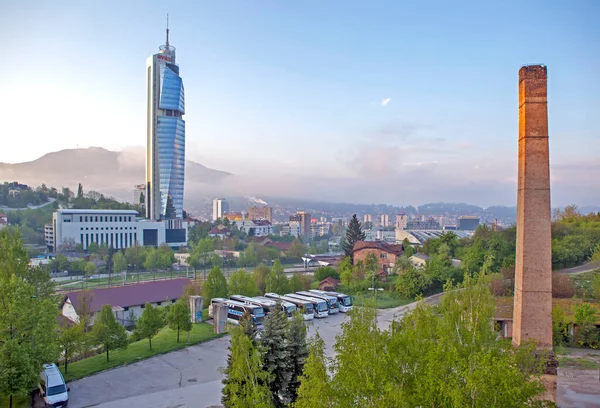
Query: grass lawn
[165,341]
[578,362]
[385,300]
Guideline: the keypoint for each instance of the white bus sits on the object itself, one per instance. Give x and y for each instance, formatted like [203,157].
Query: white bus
[344,301]
[288,307]
[305,307]
[267,304]
[332,302]
[235,311]
[321,309]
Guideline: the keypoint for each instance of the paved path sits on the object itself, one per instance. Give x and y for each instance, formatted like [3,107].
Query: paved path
[588,267]
[190,377]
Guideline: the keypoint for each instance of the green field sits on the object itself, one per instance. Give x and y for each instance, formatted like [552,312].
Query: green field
[583,282]
[164,342]
[385,300]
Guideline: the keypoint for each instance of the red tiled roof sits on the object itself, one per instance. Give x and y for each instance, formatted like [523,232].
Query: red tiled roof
[259,240]
[218,231]
[283,246]
[395,249]
[330,280]
[131,295]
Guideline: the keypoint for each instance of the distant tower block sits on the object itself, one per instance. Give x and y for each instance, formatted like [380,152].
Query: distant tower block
[533,275]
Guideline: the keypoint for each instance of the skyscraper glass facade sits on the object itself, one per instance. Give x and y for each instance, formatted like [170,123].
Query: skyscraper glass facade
[165,165]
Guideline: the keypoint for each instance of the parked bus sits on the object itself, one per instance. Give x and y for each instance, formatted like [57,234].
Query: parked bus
[321,309]
[288,307]
[332,302]
[267,304]
[344,301]
[305,307]
[235,311]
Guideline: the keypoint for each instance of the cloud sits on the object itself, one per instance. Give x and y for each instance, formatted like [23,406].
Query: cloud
[385,101]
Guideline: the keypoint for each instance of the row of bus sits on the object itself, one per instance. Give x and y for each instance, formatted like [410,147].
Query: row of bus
[311,304]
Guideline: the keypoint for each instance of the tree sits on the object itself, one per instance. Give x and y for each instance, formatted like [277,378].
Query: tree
[297,354]
[345,270]
[245,382]
[79,191]
[70,340]
[149,323]
[179,318]
[90,268]
[596,285]
[108,332]
[260,275]
[215,285]
[134,256]
[93,248]
[315,390]
[62,263]
[296,283]
[276,357]
[323,272]
[151,261]
[242,283]
[277,280]
[354,234]
[119,262]
[297,249]
[18,374]
[411,283]
[39,277]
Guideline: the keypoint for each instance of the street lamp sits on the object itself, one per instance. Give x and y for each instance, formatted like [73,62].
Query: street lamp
[375,290]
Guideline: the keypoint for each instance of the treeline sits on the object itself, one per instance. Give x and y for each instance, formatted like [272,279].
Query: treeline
[446,355]
[574,237]
[22,195]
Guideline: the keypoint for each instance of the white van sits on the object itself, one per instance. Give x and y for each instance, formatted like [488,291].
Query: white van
[53,388]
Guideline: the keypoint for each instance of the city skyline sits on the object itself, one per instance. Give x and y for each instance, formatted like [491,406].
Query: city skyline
[346,95]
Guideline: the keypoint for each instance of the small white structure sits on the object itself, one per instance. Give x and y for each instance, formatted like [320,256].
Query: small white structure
[256,228]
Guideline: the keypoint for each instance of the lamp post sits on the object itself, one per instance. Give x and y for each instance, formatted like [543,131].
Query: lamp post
[375,290]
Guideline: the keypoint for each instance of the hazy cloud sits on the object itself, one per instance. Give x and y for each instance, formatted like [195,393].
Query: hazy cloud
[385,101]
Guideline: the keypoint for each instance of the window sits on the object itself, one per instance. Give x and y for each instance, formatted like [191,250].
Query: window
[80,218]
[120,219]
[111,218]
[86,218]
[158,303]
[96,218]
[143,306]
[383,255]
[126,308]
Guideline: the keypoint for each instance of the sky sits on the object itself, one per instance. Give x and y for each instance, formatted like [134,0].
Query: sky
[386,101]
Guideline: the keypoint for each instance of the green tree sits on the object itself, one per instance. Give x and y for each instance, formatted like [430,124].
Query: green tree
[18,374]
[408,249]
[62,263]
[151,261]
[411,283]
[260,275]
[277,282]
[245,382]
[93,248]
[316,389]
[242,283]
[345,271]
[215,285]
[70,340]
[90,268]
[179,318]
[296,283]
[353,234]
[276,356]
[587,334]
[108,332]
[323,272]
[297,249]
[596,285]
[297,354]
[39,277]
[119,262]
[134,256]
[149,323]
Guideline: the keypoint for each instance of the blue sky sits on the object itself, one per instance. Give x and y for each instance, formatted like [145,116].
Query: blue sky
[297,87]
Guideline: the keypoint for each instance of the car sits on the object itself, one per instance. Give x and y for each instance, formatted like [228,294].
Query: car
[53,388]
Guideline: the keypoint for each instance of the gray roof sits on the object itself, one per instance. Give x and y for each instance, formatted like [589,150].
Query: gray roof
[107,212]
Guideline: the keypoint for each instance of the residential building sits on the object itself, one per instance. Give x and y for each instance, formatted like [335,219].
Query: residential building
[319,230]
[305,221]
[329,284]
[260,213]
[220,233]
[290,229]
[139,195]
[468,223]
[118,229]
[386,253]
[49,236]
[234,216]
[384,220]
[127,302]
[419,260]
[220,206]
[165,152]
[401,221]
[423,224]
[367,218]
[256,228]
[3,220]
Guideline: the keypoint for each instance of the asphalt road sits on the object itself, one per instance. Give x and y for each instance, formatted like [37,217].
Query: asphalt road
[588,267]
[190,377]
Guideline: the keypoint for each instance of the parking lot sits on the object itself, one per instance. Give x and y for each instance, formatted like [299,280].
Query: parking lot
[186,378]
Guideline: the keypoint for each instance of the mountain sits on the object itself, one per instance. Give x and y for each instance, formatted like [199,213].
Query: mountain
[110,172]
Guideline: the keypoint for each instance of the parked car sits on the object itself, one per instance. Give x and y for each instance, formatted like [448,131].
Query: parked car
[53,388]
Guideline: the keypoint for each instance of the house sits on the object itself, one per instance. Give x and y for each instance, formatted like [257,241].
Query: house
[3,220]
[127,301]
[386,253]
[419,259]
[219,232]
[329,284]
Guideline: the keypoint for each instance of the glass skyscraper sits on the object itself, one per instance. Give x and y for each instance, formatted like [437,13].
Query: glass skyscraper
[165,153]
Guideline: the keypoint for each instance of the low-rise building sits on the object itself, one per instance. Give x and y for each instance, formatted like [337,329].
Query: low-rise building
[3,220]
[386,253]
[419,259]
[219,232]
[329,284]
[256,228]
[127,301]
[118,229]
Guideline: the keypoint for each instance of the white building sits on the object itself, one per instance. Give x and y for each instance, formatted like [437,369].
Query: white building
[118,229]
[220,206]
[401,221]
[291,228]
[367,218]
[256,228]
[385,220]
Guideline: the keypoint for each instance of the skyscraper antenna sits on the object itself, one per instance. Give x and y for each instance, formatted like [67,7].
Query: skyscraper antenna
[167,31]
